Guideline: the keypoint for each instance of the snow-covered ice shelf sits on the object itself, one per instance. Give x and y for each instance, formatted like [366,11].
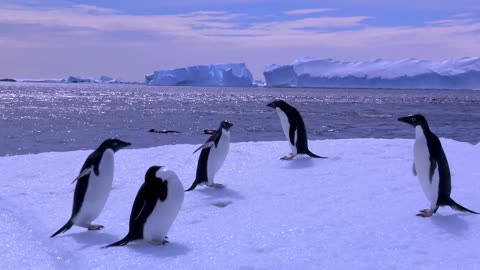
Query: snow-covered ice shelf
[461,73]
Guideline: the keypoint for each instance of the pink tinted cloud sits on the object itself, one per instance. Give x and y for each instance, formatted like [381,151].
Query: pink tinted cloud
[307,11]
[204,37]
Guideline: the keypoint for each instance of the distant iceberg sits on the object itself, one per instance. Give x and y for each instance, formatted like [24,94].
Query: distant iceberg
[79,79]
[236,74]
[462,73]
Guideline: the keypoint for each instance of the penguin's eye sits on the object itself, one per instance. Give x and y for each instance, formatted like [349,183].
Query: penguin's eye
[414,119]
[114,144]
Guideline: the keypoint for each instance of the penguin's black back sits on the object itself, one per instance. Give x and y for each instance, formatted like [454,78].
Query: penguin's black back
[151,191]
[82,183]
[143,206]
[438,158]
[202,166]
[296,124]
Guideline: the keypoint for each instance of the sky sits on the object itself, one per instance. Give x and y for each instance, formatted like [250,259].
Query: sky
[129,39]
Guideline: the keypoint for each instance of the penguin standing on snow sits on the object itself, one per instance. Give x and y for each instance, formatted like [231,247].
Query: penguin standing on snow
[157,204]
[293,128]
[431,166]
[93,186]
[213,154]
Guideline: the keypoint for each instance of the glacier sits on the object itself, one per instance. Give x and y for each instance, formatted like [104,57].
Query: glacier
[460,73]
[234,74]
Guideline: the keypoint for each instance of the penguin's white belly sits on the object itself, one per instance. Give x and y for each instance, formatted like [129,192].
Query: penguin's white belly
[286,129]
[422,166]
[217,156]
[97,192]
[161,219]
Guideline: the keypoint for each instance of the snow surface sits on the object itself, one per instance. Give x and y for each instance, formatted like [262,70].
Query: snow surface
[354,210]
[235,74]
[406,73]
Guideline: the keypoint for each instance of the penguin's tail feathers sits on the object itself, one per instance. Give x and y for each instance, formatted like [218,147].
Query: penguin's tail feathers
[65,228]
[310,154]
[455,206]
[122,242]
[194,185]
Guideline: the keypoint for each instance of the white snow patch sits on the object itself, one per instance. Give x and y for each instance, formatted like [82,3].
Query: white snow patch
[354,210]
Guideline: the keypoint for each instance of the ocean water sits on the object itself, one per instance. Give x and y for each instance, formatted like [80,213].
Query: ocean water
[36,117]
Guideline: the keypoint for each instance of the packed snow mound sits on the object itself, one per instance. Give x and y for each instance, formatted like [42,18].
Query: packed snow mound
[236,74]
[407,73]
[354,210]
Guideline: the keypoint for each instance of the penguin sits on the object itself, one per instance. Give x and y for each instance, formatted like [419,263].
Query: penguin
[213,154]
[430,165]
[93,186]
[155,207]
[293,128]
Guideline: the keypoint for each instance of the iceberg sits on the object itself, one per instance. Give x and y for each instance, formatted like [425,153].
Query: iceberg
[79,79]
[461,73]
[235,74]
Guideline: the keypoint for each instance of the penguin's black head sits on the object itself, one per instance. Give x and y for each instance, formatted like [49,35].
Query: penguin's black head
[114,144]
[278,103]
[155,183]
[150,175]
[225,124]
[414,120]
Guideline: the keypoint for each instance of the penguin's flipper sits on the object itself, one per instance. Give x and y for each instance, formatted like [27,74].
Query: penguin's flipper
[206,145]
[455,206]
[211,141]
[291,133]
[122,242]
[313,155]
[65,228]
[83,173]
[433,167]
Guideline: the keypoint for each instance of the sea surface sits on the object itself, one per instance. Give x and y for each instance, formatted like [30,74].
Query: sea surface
[46,117]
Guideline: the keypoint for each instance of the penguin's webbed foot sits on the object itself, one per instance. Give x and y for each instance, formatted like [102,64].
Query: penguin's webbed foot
[290,157]
[425,213]
[161,242]
[216,185]
[93,227]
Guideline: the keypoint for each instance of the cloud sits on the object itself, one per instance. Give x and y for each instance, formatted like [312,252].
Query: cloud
[98,25]
[199,25]
[307,11]
[206,36]
[94,9]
